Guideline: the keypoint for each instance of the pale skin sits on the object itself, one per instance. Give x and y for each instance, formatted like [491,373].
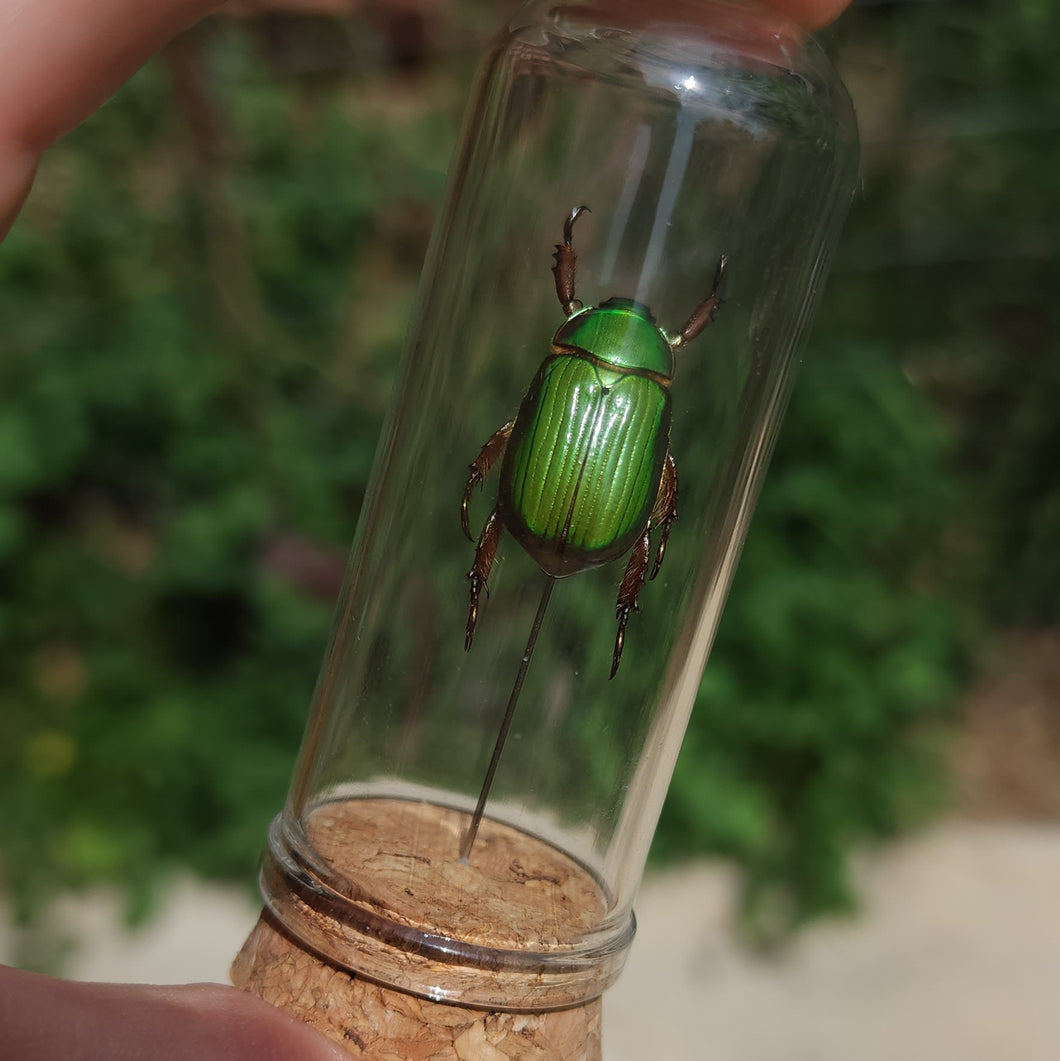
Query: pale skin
[59,61]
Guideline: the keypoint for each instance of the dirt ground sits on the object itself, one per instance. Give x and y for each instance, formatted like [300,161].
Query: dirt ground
[956,955]
[1006,759]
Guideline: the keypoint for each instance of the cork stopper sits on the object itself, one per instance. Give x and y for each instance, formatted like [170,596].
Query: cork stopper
[377,1023]
[377,887]
[389,914]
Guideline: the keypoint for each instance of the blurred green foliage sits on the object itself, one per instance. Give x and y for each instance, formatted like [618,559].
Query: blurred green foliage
[200,331]
[837,656]
[189,405]
[914,499]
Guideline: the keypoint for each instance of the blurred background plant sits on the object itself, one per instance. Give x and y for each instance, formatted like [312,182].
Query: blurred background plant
[203,305]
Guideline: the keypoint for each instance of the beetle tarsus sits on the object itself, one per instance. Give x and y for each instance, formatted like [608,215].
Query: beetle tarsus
[478,576]
[477,586]
[628,591]
[703,314]
[620,640]
[665,508]
[567,263]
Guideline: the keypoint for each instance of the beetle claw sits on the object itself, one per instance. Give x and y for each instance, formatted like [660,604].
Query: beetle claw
[566,264]
[616,658]
[658,561]
[622,614]
[568,225]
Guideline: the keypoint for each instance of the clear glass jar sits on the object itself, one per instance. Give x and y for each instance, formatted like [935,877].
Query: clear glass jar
[713,130]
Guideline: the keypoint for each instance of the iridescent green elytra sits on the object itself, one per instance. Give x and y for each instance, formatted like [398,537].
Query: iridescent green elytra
[587,471]
[582,467]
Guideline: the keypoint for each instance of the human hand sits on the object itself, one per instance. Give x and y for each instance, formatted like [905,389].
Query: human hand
[60,59]
[42,1019]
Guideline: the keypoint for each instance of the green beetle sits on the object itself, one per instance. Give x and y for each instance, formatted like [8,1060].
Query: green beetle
[587,472]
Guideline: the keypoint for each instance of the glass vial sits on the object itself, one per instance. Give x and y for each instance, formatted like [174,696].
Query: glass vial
[711,130]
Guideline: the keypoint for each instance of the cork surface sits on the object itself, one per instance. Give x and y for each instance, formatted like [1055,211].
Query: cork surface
[512,928]
[514,892]
[376,1023]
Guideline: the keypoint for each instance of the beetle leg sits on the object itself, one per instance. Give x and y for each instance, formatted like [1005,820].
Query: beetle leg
[632,580]
[566,264]
[485,553]
[665,508]
[479,469]
[703,314]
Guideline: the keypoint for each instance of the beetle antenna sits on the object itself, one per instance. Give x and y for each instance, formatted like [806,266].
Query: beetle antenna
[506,722]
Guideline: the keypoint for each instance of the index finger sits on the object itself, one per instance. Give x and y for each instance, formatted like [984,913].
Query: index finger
[59,60]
